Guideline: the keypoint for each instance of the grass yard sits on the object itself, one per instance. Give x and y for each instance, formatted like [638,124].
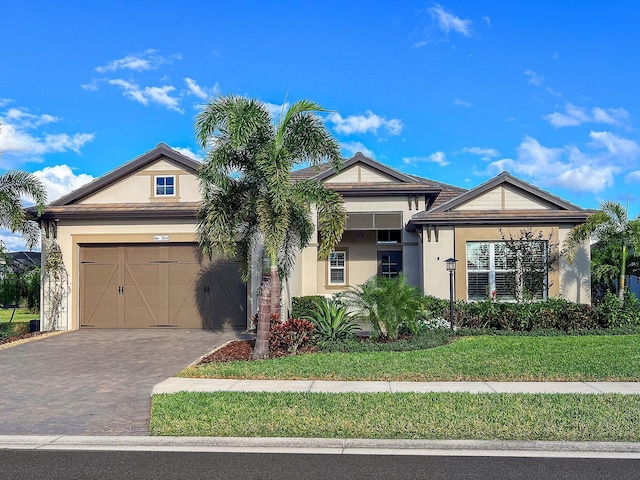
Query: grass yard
[22,315]
[399,415]
[483,358]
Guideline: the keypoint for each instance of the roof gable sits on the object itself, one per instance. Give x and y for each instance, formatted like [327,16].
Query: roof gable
[372,167]
[162,154]
[485,196]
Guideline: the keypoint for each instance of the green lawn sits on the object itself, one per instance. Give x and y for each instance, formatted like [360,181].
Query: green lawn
[399,415]
[22,315]
[483,358]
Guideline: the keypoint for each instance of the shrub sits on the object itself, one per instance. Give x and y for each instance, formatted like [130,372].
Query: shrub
[431,339]
[289,335]
[615,313]
[303,306]
[331,320]
[386,304]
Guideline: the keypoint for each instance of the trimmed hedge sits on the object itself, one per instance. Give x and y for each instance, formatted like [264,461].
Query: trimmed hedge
[304,306]
[553,314]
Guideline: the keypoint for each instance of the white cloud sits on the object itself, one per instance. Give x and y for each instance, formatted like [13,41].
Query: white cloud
[370,122]
[13,241]
[571,168]
[485,154]
[534,78]
[90,87]
[20,136]
[146,95]
[447,21]
[276,109]
[60,180]
[353,147]
[187,152]
[633,177]
[623,148]
[538,81]
[199,91]
[5,101]
[139,62]
[438,157]
[575,116]
[611,116]
[487,20]
[462,103]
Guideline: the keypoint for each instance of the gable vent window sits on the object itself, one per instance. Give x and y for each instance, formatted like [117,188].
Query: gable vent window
[166,186]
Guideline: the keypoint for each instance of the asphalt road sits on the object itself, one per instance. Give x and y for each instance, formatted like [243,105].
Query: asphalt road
[70,465]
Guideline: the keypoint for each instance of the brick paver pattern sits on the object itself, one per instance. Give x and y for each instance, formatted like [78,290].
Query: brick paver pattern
[93,382]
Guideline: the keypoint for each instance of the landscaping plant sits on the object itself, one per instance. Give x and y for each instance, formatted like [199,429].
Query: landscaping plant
[331,320]
[386,304]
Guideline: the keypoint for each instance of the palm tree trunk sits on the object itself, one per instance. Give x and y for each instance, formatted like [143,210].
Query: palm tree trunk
[276,287]
[623,266]
[261,348]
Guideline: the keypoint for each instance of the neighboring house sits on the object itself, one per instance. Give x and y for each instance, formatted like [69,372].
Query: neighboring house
[20,262]
[128,241]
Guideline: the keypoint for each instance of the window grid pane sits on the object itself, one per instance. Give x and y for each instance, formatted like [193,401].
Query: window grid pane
[337,268]
[165,186]
[494,270]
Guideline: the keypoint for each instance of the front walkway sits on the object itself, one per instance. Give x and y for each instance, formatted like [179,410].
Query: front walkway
[173,385]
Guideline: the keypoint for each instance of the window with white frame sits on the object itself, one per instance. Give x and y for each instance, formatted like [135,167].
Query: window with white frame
[495,270]
[337,268]
[165,186]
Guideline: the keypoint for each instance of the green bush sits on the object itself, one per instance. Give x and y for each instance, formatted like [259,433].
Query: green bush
[331,320]
[432,339]
[387,304]
[614,313]
[303,306]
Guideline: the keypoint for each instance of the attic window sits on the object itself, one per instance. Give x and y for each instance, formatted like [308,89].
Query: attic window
[165,186]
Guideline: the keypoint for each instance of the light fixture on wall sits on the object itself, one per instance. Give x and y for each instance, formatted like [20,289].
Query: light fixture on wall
[359,234]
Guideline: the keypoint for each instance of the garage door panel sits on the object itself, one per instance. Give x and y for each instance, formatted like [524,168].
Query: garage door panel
[141,316]
[183,274]
[185,254]
[141,254]
[100,254]
[99,302]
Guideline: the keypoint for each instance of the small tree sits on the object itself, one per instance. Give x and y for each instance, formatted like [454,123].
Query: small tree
[530,257]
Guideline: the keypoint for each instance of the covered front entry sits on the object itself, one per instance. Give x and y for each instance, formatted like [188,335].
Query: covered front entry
[150,285]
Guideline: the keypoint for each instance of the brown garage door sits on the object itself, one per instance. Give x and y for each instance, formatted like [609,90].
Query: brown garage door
[141,286]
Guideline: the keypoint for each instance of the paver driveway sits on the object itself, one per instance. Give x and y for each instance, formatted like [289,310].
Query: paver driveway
[93,382]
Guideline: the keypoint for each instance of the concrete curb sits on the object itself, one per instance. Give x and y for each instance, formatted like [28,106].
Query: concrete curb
[337,446]
[175,384]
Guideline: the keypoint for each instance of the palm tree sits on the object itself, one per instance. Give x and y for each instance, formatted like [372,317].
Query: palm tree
[248,196]
[612,228]
[16,185]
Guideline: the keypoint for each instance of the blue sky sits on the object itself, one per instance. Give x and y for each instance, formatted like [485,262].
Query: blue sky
[454,91]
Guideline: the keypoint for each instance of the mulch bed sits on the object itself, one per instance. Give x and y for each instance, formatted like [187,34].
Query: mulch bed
[241,350]
[14,338]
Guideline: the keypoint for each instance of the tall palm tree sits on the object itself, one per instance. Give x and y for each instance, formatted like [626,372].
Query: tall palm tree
[611,227]
[15,186]
[248,196]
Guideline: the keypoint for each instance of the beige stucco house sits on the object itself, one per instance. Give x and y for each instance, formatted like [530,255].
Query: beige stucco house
[129,249]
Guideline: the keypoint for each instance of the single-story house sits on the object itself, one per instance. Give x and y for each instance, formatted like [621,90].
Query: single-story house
[129,248]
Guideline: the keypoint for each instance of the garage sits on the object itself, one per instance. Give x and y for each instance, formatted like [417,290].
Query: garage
[156,286]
